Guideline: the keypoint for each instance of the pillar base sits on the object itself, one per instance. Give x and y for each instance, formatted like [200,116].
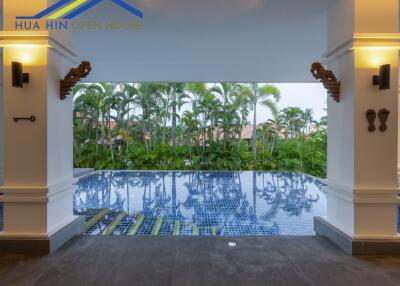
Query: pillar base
[42,246]
[356,246]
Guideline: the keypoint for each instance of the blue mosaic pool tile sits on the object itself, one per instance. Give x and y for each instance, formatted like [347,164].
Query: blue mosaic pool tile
[207,203]
[147,226]
[98,228]
[186,229]
[124,226]
[89,213]
[167,227]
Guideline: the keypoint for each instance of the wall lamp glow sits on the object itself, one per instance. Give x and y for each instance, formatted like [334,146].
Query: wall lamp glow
[18,76]
[378,48]
[383,79]
[24,46]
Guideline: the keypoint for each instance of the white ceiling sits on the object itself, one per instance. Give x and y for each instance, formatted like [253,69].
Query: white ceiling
[207,40]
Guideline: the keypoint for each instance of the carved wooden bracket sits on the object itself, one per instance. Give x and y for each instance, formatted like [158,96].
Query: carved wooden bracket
[73,77]
[328,79]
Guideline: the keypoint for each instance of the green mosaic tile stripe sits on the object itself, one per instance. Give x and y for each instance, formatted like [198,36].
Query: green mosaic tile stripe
[136,226]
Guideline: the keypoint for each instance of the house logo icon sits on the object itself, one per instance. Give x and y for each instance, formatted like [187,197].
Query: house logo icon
[69,9]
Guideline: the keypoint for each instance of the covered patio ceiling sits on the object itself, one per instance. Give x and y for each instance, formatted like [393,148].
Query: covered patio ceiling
[209,40]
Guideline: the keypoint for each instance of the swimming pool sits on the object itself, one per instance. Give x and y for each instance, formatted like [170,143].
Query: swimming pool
[199,203]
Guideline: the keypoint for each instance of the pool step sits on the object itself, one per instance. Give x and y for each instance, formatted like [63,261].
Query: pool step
[119,223]
[160,226]
[96,218]
[113,225]
[134,229]
[177,228]
[195,230]
[157,226]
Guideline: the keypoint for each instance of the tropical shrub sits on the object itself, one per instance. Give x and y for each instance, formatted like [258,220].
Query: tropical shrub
[126,126]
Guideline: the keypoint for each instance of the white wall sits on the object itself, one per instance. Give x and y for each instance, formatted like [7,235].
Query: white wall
[372,18]
[362,166]
[208,40]
[341,127]
[341,19]
[38,180]
[1,100]
[59,123]
[1,118]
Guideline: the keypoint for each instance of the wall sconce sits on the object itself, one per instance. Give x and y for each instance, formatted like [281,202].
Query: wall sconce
[383,79]
[18,76]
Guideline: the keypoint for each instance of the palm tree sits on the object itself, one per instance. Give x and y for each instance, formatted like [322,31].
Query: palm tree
[147,99]
[205,104]
[176,95]
[227,92]
[129,94]
[242,104]
[307,116]
[272,131]
[89,102]
[293,118]
[143,111]
[191,124]
[323,122]
[113,95]
[268,96]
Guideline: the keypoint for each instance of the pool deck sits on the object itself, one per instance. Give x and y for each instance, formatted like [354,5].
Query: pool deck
[80,172]
[203,261]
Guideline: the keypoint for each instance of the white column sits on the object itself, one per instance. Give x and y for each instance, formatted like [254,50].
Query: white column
[38,166]
[362,166]
[1,119]
[398,149]
[1,100]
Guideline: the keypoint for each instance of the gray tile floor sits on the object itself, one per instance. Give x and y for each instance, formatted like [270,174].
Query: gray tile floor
[198,261]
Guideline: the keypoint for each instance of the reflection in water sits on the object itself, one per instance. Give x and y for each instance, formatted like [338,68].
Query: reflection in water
[233,203]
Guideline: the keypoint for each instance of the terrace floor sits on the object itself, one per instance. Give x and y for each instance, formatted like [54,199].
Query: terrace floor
[114,260]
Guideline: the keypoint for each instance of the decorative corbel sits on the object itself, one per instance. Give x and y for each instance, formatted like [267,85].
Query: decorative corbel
[328,79]
[73,77]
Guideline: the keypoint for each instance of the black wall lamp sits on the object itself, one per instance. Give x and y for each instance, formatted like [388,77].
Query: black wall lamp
[383,79]
[18,76]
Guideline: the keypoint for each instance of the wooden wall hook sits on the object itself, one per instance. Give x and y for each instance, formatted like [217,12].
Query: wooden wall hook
[383,115]
[371,116]
[30,118]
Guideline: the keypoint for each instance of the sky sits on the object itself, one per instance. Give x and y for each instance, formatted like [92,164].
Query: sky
[303,95]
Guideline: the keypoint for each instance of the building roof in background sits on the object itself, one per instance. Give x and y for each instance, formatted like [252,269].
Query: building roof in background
[247,132]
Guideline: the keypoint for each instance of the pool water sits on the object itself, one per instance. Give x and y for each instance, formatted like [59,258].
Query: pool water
[199,203]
